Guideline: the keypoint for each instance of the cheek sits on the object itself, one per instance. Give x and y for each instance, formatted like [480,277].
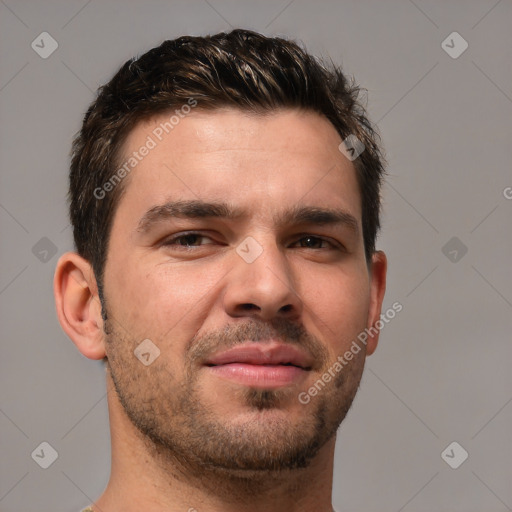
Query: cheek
[167,301]
[339,306]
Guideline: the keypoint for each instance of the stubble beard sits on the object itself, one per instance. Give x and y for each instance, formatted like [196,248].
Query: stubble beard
[182,430]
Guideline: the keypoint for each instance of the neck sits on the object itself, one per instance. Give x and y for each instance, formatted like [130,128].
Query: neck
[146,477]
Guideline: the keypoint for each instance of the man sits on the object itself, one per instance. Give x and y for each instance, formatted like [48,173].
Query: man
[225,204]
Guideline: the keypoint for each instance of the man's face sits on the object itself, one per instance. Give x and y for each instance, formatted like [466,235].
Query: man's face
[246,283]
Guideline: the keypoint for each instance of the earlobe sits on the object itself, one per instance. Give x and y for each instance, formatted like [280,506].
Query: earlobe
[78,305]
[378,271]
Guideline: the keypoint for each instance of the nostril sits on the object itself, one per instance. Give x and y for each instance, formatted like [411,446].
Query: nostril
[249,307]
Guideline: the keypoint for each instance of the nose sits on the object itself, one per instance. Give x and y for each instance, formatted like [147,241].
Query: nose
[263,288]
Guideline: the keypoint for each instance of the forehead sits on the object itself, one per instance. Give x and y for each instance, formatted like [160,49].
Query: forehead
[260,162]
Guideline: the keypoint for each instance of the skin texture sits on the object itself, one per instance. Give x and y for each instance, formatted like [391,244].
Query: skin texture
[183,437]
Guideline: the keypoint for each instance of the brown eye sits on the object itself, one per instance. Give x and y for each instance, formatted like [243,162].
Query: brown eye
[186,240]
[313,242]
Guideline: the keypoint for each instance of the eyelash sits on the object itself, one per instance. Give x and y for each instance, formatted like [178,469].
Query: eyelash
[174,239]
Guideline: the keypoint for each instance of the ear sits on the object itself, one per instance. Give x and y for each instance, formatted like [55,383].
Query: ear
[78,304]
[378,269]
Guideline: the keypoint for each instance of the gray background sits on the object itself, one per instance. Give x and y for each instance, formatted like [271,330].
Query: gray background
[442,369]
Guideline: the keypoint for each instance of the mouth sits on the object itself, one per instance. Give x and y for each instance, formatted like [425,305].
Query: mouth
[263,365]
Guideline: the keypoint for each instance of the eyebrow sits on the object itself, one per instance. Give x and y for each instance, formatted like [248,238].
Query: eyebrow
[197,209]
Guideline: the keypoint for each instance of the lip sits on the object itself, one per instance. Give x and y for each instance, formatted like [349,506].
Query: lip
[263,353]
[264,365]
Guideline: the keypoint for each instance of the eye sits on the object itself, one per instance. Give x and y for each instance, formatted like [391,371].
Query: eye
[315,242]
[187,240]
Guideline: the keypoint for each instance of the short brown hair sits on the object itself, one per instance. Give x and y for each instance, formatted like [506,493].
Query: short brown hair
[240,69]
